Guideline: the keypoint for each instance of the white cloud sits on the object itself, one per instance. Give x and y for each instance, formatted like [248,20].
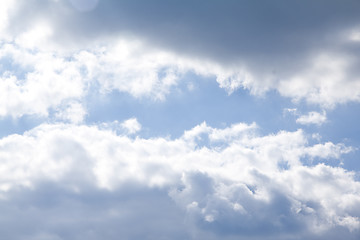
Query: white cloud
[37,81]
[249,182]
[130,67]
[35,37]
[42,79]
[134,67]
[73,112]
[312,118]
[326,81]
[290,111]
[328,150]
[131,125]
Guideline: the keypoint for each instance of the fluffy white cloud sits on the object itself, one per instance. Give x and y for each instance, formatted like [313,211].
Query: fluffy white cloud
[219,179]
[131,125]
[312,118]
[327,79]
[31,82]
[36,80]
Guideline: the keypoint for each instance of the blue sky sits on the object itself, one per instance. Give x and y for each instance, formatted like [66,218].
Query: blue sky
[179,120]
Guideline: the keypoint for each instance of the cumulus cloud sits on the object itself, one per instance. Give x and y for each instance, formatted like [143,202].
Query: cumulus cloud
[36,80]
[312,118]
[131,125]
[31,82]
[237,185]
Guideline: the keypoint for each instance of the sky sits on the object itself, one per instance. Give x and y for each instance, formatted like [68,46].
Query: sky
[188,120]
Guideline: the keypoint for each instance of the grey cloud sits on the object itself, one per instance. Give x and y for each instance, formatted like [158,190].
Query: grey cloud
[235,30]
[277,42]
[255,219]
[53,211]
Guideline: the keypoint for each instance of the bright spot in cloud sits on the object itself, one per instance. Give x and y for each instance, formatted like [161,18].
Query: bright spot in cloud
[355,36]
[35,36]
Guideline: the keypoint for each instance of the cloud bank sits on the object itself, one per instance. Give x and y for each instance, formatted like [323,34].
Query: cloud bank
[85,181]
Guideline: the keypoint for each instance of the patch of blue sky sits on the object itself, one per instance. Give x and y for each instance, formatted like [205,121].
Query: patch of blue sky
[9,66]
[343,126]
[190,103]
[9,125]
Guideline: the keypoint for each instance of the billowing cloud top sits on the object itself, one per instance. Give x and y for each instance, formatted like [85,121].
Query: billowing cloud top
[83,81]
[240,183]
